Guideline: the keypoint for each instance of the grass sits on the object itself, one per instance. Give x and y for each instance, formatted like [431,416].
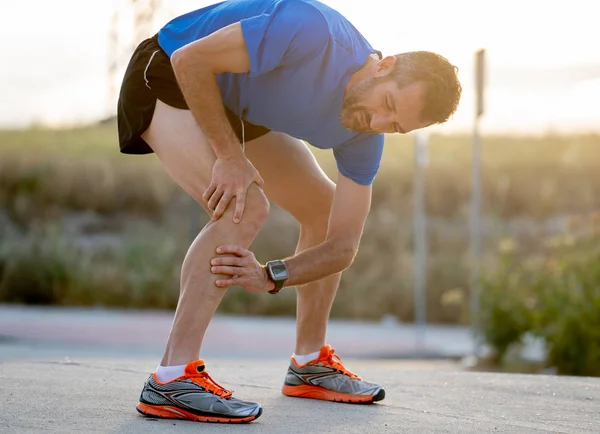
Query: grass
[83,142]
[531,188]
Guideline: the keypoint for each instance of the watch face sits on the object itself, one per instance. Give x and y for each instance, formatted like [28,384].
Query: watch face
[279,271]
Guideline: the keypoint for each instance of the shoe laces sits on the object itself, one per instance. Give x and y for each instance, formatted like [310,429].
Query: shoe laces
[206,381]
[334,361]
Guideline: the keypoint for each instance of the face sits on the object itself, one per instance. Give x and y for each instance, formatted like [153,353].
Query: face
[375,104]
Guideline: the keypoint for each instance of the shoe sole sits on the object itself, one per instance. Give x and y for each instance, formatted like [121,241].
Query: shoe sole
[316,392]
[171,412]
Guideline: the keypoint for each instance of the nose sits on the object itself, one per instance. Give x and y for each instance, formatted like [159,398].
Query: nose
[382,123]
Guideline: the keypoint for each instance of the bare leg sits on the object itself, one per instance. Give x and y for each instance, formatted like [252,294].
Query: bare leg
[314,303]
[188,158]
[294,181]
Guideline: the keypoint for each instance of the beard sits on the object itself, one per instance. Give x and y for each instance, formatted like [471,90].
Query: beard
[354,116]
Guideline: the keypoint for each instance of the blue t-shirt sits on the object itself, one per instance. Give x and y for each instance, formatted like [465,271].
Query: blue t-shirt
[302,54]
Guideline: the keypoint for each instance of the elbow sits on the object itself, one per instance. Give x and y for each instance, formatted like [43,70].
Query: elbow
[347,250]
[182,62]
[185,60]
[178,59]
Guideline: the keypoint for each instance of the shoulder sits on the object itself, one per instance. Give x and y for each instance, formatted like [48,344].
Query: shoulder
[336,27]
[283,33]
[305,17]
[293,22]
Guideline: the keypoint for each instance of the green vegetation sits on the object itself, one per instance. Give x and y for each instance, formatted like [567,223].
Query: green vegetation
[553,295]
[82,224]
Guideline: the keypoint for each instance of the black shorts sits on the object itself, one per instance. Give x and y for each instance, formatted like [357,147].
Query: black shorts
[149,77]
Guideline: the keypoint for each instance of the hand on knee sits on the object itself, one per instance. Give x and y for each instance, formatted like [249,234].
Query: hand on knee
[257,207]
[255,214]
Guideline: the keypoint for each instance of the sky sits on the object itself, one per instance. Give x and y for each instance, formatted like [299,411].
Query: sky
[542,70]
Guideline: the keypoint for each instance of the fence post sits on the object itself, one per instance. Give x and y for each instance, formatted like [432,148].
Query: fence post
[420,239]
[475,227]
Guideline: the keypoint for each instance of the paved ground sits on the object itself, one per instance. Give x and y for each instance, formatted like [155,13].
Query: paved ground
[98,395]
[71,370]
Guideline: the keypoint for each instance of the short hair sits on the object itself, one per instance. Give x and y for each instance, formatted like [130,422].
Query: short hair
[443,90]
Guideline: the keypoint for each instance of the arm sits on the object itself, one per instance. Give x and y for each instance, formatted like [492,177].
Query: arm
[196,67]
[351,206]
[357,160]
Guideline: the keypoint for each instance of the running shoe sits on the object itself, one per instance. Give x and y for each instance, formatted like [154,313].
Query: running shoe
[194,396]
[327,379]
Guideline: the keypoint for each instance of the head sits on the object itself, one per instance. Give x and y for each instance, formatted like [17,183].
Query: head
[401,93]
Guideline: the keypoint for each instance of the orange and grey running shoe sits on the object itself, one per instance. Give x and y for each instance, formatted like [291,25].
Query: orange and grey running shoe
[326,378]
[194,396]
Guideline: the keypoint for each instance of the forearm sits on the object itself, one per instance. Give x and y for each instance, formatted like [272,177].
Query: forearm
[199,86]
[333,256]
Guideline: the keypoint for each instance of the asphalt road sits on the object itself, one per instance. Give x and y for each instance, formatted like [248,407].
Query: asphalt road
[99,395]
[81,371]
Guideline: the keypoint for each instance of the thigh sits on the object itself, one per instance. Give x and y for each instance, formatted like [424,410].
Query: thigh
[182,147]
[293,178]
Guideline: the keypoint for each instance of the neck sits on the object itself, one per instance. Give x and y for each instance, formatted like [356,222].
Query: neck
[363,72]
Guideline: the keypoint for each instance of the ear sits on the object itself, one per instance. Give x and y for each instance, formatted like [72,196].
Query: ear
[385,66]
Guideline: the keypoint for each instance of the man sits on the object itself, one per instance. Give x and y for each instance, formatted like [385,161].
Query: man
[226,96]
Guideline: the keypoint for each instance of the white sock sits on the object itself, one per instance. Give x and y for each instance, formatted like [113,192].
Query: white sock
[164,374]
[303,359]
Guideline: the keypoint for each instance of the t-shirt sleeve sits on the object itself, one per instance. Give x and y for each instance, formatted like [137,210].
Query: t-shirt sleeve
[359,160]
[290,32]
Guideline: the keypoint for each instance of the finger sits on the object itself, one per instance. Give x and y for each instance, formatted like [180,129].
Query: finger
[215,198]
[209,192]
[258,179]
[233,249]
[232,261]
[227,270]
[240,203]
[225,283]
[222,206]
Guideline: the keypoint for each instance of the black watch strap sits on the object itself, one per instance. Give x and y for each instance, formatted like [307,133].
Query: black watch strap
[278,286]
[278,274]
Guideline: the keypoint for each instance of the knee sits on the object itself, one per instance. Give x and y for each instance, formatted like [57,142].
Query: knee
[314,221]
[314,232]
[255,214]
[257,208]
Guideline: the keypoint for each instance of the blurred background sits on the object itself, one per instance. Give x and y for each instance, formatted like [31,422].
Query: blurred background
[83,225]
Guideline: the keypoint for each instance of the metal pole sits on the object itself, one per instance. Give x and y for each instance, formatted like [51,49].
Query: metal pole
[475,233]
[475,217]
[420,239]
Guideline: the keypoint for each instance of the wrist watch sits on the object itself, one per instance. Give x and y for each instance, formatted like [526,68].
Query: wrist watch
[278,273]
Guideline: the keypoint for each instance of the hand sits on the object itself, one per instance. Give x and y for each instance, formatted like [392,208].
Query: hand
[231,177]
[243,268]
